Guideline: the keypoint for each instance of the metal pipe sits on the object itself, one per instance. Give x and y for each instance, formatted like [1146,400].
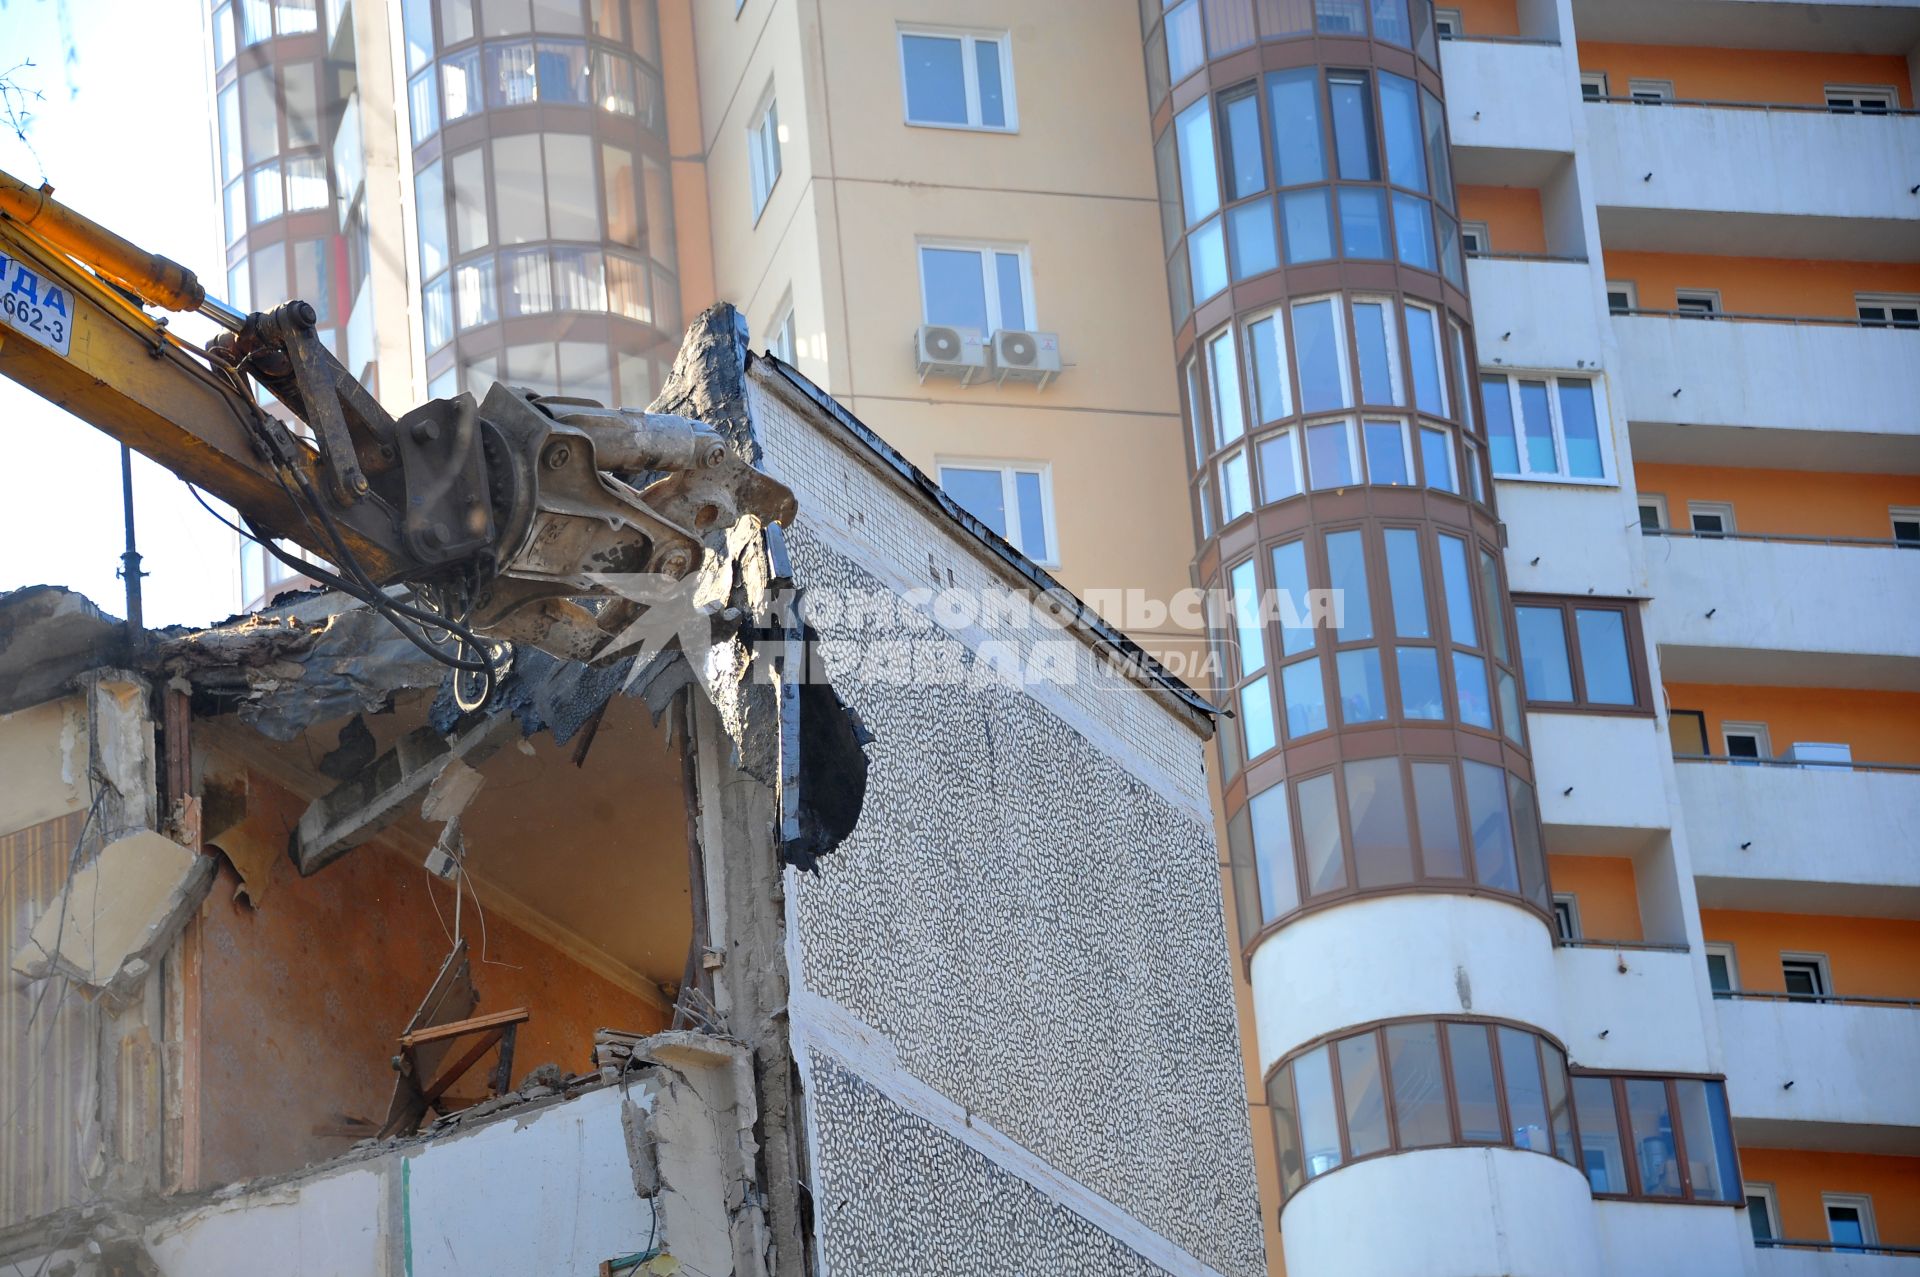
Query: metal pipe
[159,280]
[130,559]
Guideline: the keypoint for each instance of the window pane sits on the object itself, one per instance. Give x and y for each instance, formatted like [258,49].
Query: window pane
[1374,335]
[313,278]
[436,320]
[1451,264]
[1604,664]
[1330,456]
[1503,450]
[955,291]
[1413,231]
[1222,361]
[1320,827]
[1290,585]
[1256,717]
[1651,1127]
[1353,126]
[1386,443]
[1526,1098]
[231,161]
[1279,472]
[1271,391]
[1293,99]
[1453,577]
[1361,1086]
[1246,619]
[1509,691]
[469,201]
[1473,1087]
[1273,853]
[1308,216]
[573,202]
[1185,48]
[1199,178]
[1419,1086]
[1011,283]
[1347,573]
[1420,694]
[1559,1102]
[423,101]
[473,293]
[460,91]
[1250,239]
[980,492]
[1390,21]
[1246,159]
[562,69]
[993,102]
[1543,653]
[613,83]
[1363,222]
[529,282]
[1440,852]
[1236,488]
[1377,814]
[1316,348]
[1538,427]
[512,74]
[300,94]
[1400,122]
[1470,690]
[1166,168]
[261,116]
[430,208]
[519,191]
[622,195]
[1033,519]
[1490,604]
[1436,131]
[1436,458]
[1286,1131]
[1423,349]
[266,193]
[1208,245]
[1363,696]
[1306,697]
[936,79]
[1492,832]
[1581,427]
[1319,1122]
[1600,1153]
[1406,583]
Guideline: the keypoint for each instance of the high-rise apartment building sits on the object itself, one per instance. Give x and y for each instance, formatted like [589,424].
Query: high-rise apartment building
[1576,342]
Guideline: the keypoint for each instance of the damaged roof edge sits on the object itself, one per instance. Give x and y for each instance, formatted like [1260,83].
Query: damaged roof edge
[1134,659]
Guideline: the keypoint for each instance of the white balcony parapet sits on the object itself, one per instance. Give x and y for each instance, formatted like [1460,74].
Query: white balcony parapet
[1824,1064]
[1537,301]
[1646,1001]
[1817,1257]
[1801,826]
[1614,764]
[1509,94]
[1796,376]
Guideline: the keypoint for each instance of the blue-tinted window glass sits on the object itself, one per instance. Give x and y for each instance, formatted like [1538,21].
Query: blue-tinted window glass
[1308,217]
[1503,450]
[1413,231]
[1400,125]
[980,492]
[1236,487]
[1250,239]
[1581,427]
[1458,585]
[1362,1084]
[1373,335]
[936,79]
[1420,691]
[1538,424]
[1406,583]
[1436,456]
[1650,1122]
[1279,472]
[1186,48]
[1330,456]
[1387,453]
[1320,833]
[1363,222]
[1316,348]
[1256,716]
[1269,369]
[1474,1088]
[1246,161]
[1290,584]
[1526,1092]
[956,292]
[993,104]
[1470,690]
[1208,246]
[1319,1118]
[1342,17]
[1363,696]
[1273,852]
[1434,122]
[1013,293]
[1352,100]
[1293,100]
[1604,664]
[1305,696]
[563,73]
[416,22]
[1033,517]
[1601,1156]
[1493,862]
[1450,264]
[1543,653]
[1347,574]
[1390,22]
[1246,618]
[1224,365]
[1423,350]
[1199,174]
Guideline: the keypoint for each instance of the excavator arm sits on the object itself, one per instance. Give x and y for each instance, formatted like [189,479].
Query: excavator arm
[502,519]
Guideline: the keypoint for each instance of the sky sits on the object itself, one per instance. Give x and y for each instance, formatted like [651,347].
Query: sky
[124,133]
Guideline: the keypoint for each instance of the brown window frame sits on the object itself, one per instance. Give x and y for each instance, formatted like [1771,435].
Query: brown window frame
[1643,706]
[1624,1133]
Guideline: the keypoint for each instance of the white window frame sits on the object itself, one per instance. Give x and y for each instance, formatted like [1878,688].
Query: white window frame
[763,153]
[1648,91]
[783,346]
[1594,80]
[1659,502]
[1397,382]
[1278,317]
[1571,903]
[1477,230]
[990,278]
[1770,1202]
[1885,94]
[1711,296]
[1720,949]
[1762,744]
[1723,509]
[1010,498]
[1869,1231]
[1901,514]
[1886,301]
[1627,287]
[1447,24]
[1603,422]
[1822,969]
[970,70]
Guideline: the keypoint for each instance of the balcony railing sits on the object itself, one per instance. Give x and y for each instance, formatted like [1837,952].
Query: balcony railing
[1830,321]
[1836,999]
[1799,764]
[1813,108]
[1503,39]
[1791,538]
[1849,1248]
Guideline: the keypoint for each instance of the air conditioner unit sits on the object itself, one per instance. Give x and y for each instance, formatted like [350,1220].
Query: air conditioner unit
[1023,356]
[941,350]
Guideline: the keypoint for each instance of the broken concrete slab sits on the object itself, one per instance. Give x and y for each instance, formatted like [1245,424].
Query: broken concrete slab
[115,917]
